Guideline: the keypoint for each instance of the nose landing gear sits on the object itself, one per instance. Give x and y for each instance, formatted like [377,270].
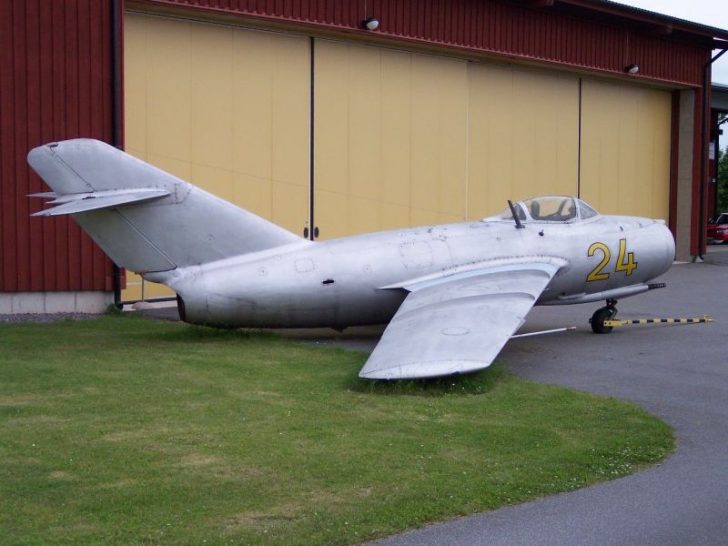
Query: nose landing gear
[602,314]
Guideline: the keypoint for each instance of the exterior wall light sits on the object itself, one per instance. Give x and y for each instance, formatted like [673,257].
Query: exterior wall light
[370,23]
[632,68]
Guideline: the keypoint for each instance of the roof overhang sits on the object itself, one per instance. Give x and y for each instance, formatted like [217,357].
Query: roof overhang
[660,23]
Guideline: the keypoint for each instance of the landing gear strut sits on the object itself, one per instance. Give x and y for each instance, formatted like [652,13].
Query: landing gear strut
[602,314]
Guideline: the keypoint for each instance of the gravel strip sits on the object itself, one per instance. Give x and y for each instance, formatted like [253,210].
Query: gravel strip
[46,317]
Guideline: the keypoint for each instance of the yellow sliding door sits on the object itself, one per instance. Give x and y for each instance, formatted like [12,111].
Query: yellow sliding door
[224,107]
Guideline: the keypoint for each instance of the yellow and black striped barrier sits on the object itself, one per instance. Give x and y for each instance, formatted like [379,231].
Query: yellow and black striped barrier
[700,320]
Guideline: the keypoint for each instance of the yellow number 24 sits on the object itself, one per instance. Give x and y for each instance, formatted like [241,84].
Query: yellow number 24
[625,260]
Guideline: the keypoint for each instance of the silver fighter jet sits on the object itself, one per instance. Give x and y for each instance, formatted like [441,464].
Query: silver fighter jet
[452,294]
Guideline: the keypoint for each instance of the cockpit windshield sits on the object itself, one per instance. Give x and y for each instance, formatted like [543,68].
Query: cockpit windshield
[549,209]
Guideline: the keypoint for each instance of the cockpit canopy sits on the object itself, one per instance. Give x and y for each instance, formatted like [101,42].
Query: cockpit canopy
[551,208]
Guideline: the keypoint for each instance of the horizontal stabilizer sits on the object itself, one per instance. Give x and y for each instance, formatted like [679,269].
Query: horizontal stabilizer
[44,194]
[84,202]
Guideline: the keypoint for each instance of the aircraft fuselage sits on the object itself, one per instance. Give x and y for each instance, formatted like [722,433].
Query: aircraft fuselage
[357,280]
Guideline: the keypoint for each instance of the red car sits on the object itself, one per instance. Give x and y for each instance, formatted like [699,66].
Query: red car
[718,228]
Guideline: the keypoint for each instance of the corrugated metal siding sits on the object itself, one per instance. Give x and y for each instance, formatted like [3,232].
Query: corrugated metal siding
[491,26]
[55,83]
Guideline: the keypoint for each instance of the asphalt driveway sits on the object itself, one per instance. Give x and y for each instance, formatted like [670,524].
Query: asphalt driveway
[679,373]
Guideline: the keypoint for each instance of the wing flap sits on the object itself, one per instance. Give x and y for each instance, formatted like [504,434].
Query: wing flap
[457,325]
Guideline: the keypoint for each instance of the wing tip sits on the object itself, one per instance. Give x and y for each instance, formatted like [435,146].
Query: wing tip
[424,370]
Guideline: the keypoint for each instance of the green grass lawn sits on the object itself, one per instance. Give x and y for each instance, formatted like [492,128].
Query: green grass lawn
[128,431]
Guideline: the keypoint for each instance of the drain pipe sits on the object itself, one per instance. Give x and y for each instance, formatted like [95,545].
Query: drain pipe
[116,111]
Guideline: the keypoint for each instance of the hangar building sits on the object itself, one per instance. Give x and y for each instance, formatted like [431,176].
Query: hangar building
[335,117]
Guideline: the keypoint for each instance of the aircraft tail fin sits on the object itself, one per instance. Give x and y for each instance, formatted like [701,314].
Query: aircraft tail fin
[145,219]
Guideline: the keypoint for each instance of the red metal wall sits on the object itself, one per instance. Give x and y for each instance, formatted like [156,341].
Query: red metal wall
[55,84]
[552,34]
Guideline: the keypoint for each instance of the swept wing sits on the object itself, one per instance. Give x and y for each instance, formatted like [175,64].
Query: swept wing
[457,323]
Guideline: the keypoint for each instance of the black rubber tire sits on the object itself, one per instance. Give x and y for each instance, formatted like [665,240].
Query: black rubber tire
[598,318]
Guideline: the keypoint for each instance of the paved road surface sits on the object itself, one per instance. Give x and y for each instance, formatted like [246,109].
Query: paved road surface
[679,373]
